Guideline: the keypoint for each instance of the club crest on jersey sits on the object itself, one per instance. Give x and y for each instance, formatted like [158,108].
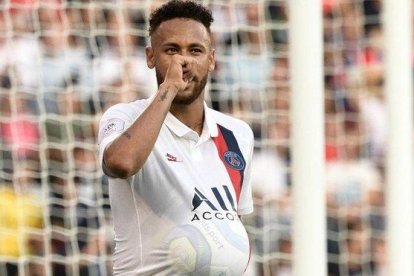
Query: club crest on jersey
[234,160]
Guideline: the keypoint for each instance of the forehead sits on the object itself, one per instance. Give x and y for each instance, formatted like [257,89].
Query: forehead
[181,30]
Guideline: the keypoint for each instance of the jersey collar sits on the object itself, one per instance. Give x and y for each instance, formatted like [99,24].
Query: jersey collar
[210,121]
[181,130]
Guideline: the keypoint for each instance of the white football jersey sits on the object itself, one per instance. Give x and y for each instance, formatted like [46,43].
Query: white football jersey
[179,215]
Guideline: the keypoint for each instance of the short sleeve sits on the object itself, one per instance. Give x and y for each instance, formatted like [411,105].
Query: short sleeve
[245,205]
[113,123]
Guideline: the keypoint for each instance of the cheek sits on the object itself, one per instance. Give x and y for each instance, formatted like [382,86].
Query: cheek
[161,65]
[203,67]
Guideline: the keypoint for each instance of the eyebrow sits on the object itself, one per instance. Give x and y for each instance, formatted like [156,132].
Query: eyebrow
[192,45]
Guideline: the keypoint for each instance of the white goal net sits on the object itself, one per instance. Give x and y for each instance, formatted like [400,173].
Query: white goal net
[64,62]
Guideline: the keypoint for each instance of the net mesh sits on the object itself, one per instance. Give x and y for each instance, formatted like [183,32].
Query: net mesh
[64,62]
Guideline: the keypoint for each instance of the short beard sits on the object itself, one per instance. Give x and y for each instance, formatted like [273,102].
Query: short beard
[197,90]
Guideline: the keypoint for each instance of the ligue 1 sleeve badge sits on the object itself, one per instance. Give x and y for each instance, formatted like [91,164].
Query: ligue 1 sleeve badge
[234,160]
[111,126]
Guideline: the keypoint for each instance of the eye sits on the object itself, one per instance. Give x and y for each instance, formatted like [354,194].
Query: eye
[171,51]
[196,51]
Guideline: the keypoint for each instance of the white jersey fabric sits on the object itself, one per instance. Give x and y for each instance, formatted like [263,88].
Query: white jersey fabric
[179,215]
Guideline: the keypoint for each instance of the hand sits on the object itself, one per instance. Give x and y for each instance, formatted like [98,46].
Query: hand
[179,72]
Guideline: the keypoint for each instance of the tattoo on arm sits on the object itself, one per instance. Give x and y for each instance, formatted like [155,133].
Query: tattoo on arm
[127,135]
[164,95]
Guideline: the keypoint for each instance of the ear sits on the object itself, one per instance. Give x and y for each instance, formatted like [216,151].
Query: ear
[212,60]
[150,57]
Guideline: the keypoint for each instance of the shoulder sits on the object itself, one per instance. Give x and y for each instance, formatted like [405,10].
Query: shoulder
[241,130]
[119,117]
[126,111]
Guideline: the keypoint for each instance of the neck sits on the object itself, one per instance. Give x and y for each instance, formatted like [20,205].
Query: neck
[191,115]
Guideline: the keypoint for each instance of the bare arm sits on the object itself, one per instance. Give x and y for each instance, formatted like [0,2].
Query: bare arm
[126,155]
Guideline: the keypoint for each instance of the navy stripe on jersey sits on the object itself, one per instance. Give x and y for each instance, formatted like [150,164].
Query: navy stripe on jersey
[233,146]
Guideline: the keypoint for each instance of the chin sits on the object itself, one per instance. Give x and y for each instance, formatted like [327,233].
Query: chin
[183,100]
[186,97]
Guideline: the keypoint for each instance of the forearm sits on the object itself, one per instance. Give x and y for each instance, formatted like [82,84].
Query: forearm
[126,155]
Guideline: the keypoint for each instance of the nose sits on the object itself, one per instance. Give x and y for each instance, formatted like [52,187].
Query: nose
[185,53]
[186,67]
[187,64]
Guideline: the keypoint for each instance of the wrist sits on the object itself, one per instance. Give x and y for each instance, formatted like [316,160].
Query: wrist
[169,87]
[167,92]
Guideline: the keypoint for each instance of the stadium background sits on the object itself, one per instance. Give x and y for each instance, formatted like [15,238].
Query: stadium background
[63,63]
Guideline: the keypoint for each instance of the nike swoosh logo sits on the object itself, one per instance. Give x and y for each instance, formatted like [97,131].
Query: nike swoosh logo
[172,158]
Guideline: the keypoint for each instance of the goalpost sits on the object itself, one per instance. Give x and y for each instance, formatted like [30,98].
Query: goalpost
[306,68]
[398,20]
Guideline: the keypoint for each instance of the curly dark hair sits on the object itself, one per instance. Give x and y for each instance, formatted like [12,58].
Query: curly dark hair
[180,9]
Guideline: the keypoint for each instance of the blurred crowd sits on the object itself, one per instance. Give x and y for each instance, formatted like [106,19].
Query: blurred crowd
[63,63]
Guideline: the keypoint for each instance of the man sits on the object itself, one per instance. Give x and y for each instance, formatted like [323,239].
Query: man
[179,171]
